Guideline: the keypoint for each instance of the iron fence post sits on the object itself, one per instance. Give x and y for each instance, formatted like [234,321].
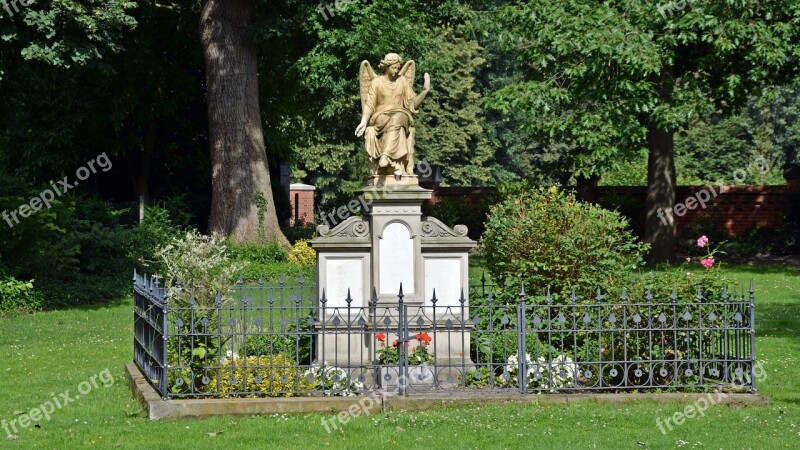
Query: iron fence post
[752,338]
[522,351]
[164,350]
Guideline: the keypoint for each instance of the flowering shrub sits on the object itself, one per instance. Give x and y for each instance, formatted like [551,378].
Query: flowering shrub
[201,265]
[556,374]
[419,354]
[706,260]
[701,272]
[198,268]
[334,381]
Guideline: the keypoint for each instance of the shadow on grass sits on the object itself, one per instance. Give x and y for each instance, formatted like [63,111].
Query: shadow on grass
[782,321]
[765,269]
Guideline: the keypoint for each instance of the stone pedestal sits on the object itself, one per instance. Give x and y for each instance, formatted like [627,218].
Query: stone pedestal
[393,246]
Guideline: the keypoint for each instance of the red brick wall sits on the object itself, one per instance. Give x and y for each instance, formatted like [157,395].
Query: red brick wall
[302,205]
[735,209]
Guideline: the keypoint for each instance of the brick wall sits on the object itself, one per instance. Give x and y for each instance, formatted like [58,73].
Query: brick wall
[734,209]
[301,200]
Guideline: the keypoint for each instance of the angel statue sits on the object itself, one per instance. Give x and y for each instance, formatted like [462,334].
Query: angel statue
[388,105]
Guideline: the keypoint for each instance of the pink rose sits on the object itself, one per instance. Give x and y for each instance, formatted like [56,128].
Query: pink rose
[702,241]
[707,263]
[688,260]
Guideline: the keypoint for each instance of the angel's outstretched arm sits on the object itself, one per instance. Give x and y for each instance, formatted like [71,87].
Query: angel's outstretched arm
[426,88]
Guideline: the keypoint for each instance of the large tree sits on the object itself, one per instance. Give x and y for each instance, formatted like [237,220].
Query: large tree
[612,77]
[242,205]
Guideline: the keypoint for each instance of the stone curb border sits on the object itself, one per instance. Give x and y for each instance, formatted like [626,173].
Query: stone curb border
[158,409]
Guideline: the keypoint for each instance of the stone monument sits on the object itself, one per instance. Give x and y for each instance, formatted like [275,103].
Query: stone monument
[368,259]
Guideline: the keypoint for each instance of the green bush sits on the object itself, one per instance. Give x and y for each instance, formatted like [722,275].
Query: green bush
[268,262]
[461,211]
[156,230]
[302,255]
[258,253]
[271,272]
[17,296]
[292,341]
[546,238]
[300,233]
[75,250]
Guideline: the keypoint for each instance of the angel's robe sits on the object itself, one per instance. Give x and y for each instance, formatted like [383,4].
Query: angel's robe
[390,133]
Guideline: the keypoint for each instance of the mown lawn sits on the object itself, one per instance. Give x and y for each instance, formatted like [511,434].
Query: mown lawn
[49,353]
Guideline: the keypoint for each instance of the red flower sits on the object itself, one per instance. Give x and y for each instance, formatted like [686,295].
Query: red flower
[394,344]
[381,337]
[424,338]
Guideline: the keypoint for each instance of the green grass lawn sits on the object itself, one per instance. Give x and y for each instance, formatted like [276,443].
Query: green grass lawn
[49,353]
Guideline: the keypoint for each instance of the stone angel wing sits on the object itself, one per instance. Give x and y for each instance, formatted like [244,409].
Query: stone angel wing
[365,77]
[409,71]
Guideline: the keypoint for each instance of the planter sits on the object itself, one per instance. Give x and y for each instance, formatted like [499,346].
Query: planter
[416,378]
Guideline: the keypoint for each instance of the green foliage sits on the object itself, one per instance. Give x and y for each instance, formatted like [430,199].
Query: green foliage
[156,230]
[17,296]
[461,211]
[547,239]
[197,266]
[711,151]
[418,350]
[497,346]
[267,262]
[596,75]
[293,341]
[276,375]
[300,233]
[302,255]
[258,253]
[198,270]
[76,250]
[478,378]
[276,271]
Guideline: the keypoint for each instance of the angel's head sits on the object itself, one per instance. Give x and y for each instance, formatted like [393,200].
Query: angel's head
[390,65]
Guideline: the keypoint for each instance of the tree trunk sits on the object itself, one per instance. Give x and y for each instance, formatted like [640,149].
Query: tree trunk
[242,206]
[660,231]
[660,228]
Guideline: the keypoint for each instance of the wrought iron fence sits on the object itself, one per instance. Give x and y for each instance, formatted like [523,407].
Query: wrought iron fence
[282,341]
